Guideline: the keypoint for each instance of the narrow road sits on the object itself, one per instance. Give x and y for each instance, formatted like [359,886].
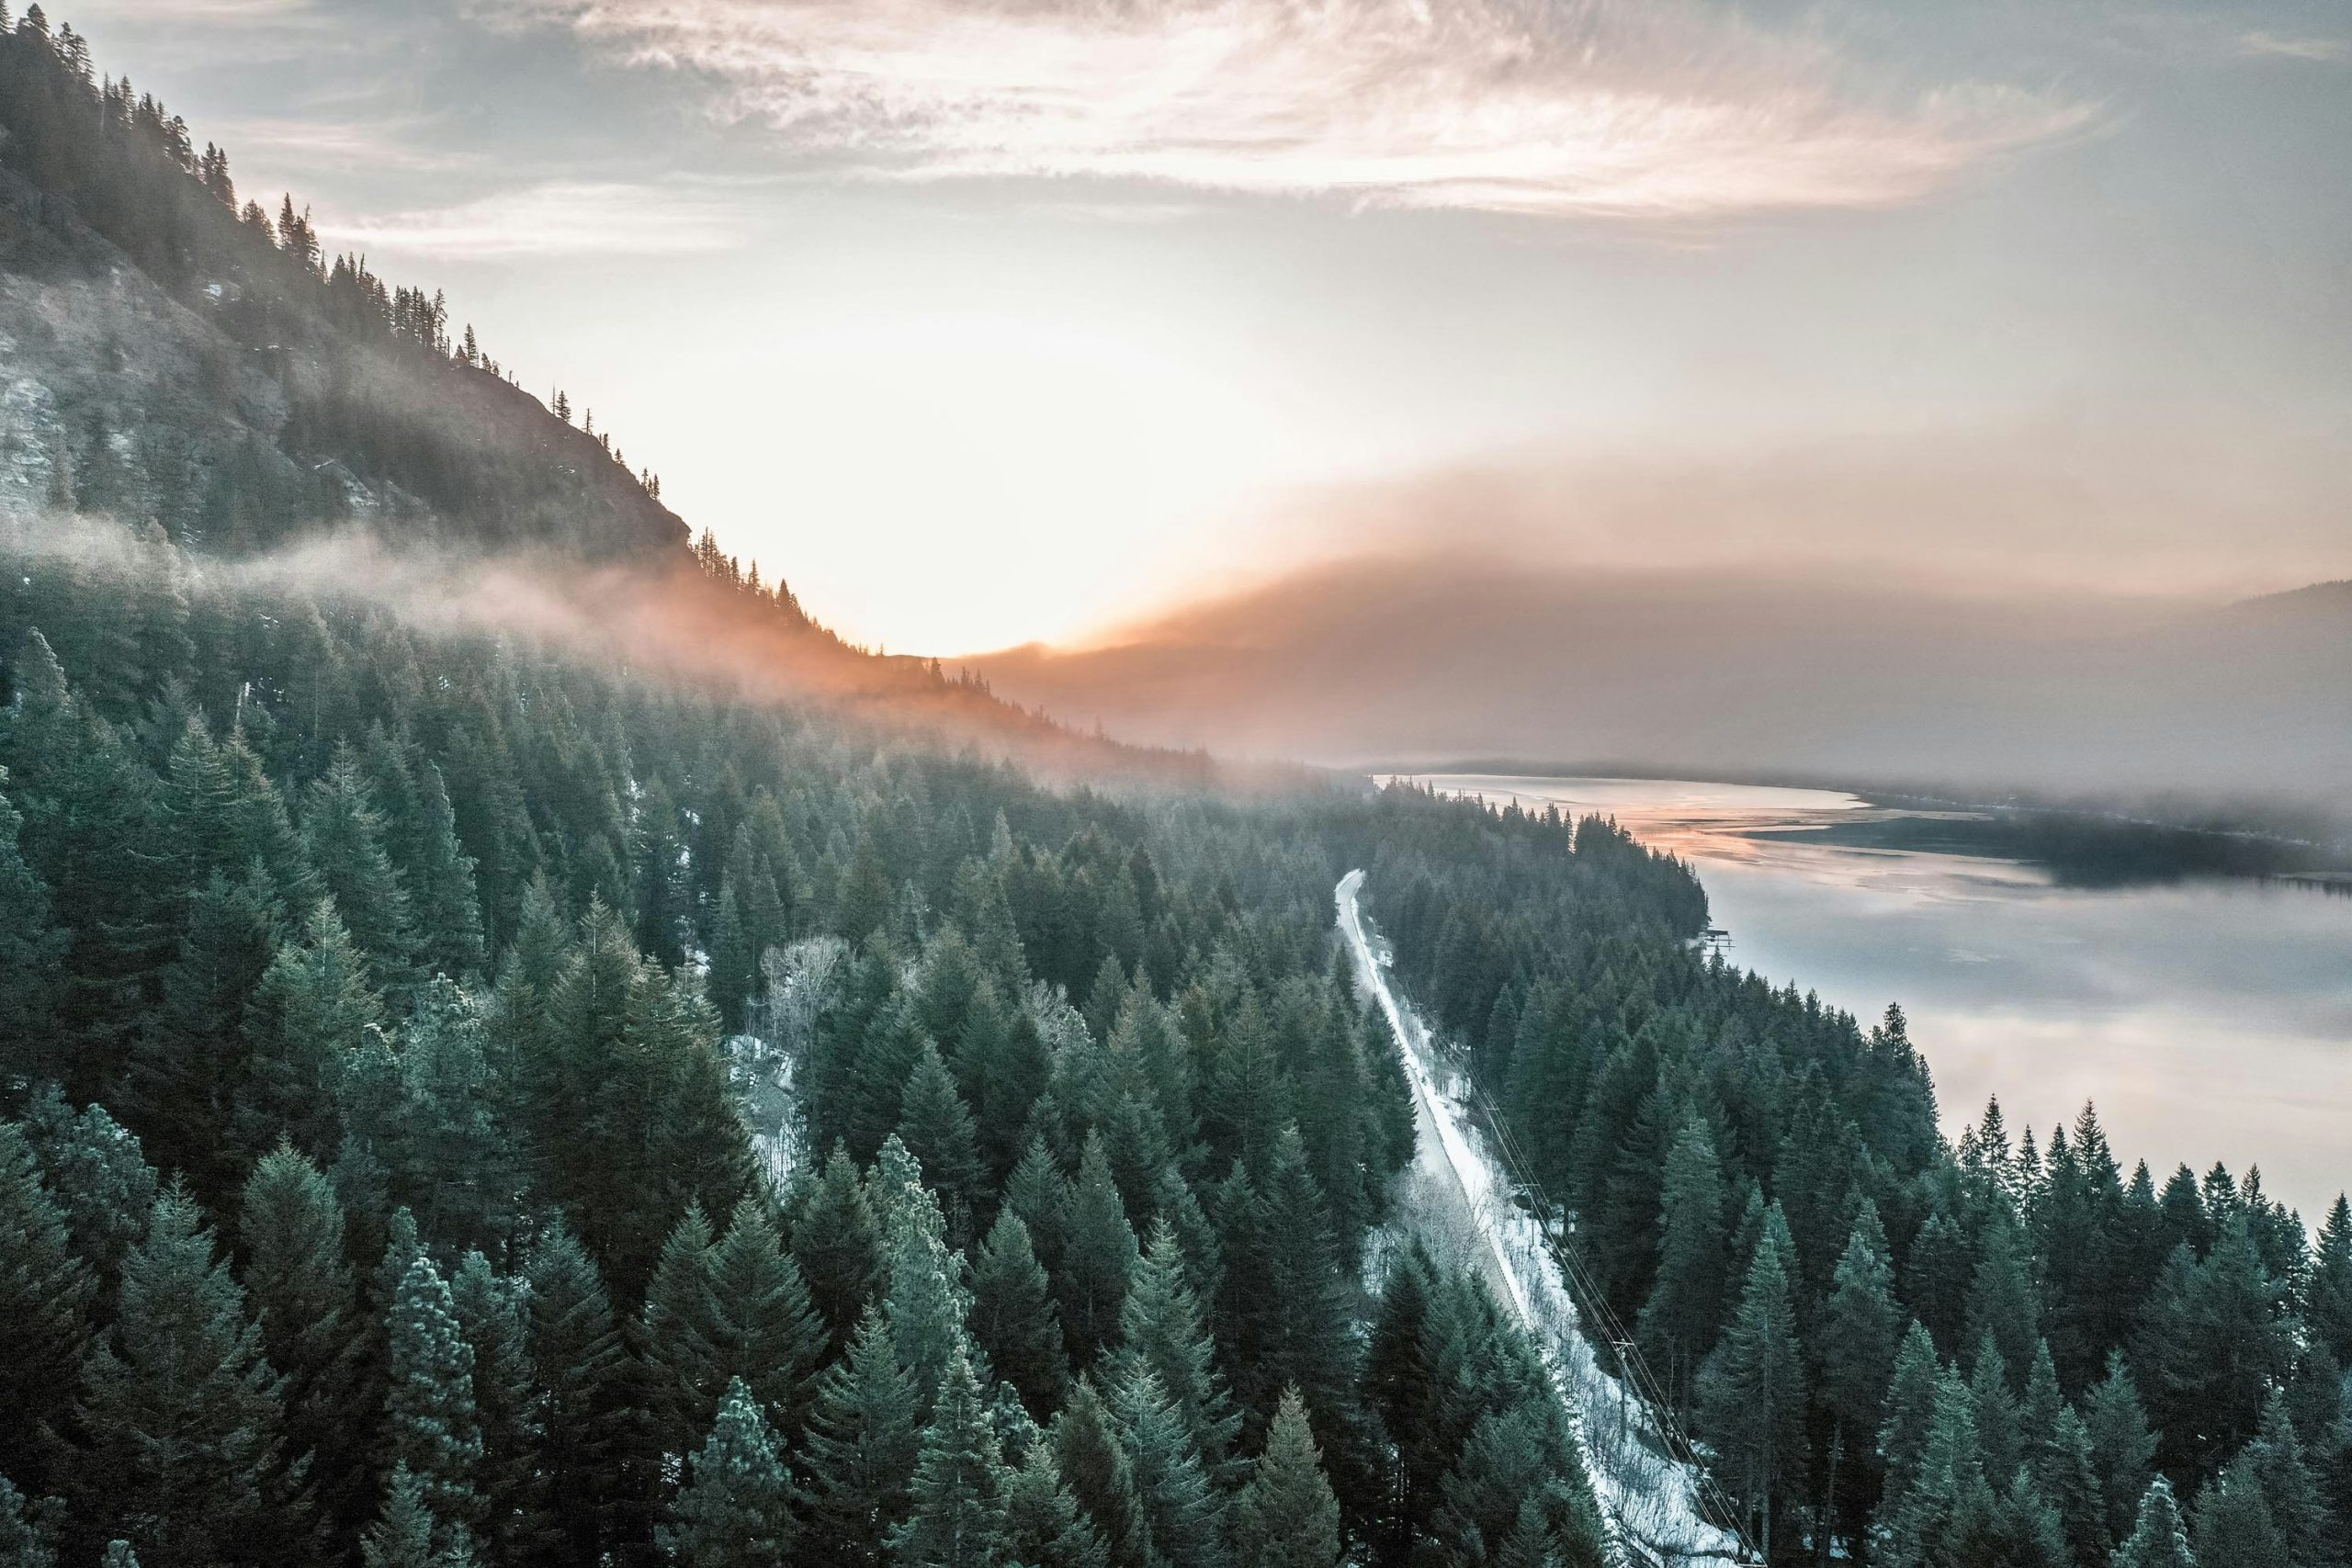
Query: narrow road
[1457,1200]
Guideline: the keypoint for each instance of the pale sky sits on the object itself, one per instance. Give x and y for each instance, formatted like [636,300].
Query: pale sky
[987,321]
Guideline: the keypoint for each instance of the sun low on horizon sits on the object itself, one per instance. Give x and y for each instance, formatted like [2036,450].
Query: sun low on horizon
[989,323]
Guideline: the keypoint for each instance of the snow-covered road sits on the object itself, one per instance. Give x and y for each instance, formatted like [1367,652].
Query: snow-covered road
[1459,1201]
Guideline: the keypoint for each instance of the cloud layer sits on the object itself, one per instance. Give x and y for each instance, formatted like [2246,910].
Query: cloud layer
[1547,107]
[560,218]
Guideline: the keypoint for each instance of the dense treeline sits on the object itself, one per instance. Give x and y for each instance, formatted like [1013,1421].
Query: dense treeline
[1901,1350]
[379,1188]
[265,387]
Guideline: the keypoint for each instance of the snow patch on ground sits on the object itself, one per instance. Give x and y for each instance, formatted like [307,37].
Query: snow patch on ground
[1459,1199]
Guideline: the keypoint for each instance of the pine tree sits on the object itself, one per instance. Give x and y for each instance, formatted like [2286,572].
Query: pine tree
[2158,1538]
[837,1242]
[938,1130]
[1013,1320]
[1043,1524]
[32,956]
[44,1291]
[429,1414]
[1752,1392]
[1685,1306]
[2001,1299]
[2235,1527]
[762,1327]
[1286,1517]
[1857,1340]
[863,1447]
[733,1512]
[1178,1514]
[1910,1416]
[1161,1333]
[181,1409]
[446,907]
[1099,1259]
[491,1315]
[188,1061]
[313,1012]
[580,1365]
[958,1497]
[2123,1451]
[1095,1466]
[407,1535]
[2275,1459]
[676,1335]
[345,834]
[2327,1295]
[305,1298]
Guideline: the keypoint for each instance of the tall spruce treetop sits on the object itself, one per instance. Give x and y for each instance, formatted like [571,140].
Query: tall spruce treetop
[734,1511]
[429,1410]
[181,1409]
[1752,1389]
[2158,1539]
[44,1291]
[958,1496]
[864,1441]
[1286,1517]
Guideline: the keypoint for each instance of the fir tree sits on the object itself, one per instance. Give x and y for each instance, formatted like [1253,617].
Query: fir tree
[1161,1333]
[181,1410]
[1178,1515]
[345,834]
[305,1298]
[1099,1259]
[1910,1416]
[2235,1524]
[491,1313]
[313,1013]
[676,1334]
[429,1413]
[580,1365]
[2123,1448]
[1043,1524]
[957,1517]
[2158,1538]
[407,1535]
[44,1293]
[1013,1320]
[762,1326]
[1094,1465]
[733,1511]
[1685,1306]
[1286,1517]
[1752,1392]
[838,1244]
[2327,1294]
[938,1130]
[863,1447]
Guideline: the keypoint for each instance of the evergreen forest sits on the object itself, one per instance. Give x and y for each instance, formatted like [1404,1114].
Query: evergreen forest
[475,1098]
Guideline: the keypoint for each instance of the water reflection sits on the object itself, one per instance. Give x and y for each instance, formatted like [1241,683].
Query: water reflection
[2210,1019]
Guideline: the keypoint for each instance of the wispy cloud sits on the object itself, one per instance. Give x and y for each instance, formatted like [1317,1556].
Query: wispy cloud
[2321,49]
[399,146]
[1550,107]
[555,218]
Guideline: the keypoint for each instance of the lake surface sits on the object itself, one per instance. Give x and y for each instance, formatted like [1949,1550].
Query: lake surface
[2208,1018]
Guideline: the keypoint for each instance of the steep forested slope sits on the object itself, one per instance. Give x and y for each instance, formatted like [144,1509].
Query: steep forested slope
[382,963]
[378,1188]
[167,355]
